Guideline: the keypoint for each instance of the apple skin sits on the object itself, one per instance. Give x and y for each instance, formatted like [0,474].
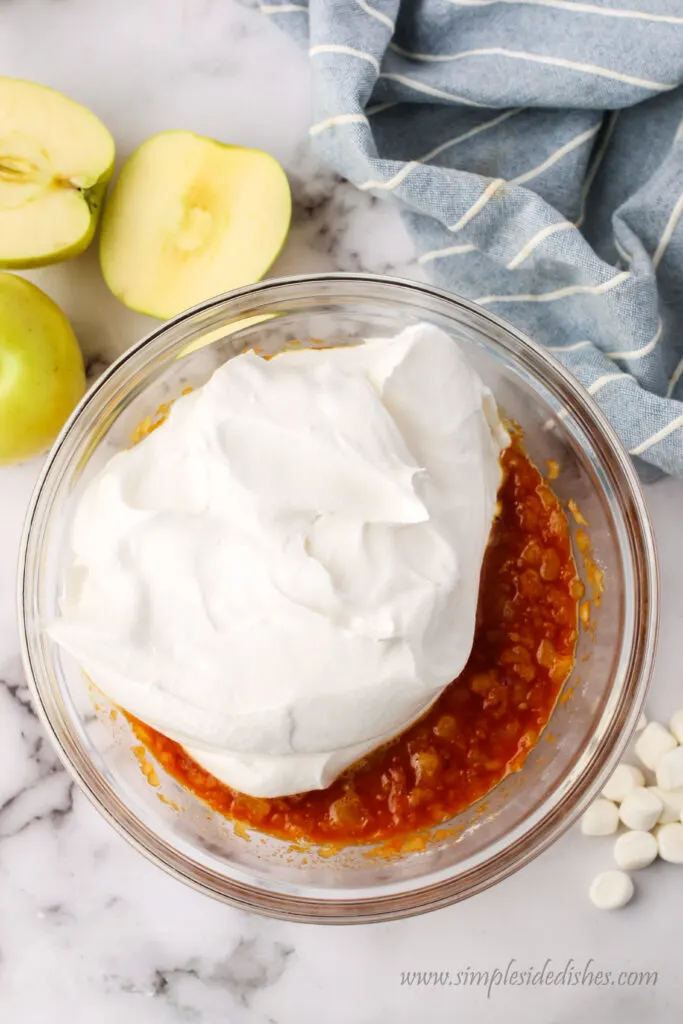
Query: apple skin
[94,197]
[42,376]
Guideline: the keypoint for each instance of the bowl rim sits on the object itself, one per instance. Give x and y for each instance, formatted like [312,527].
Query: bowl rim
[420,898]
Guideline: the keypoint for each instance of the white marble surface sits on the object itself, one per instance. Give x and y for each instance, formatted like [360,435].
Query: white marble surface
[89,931]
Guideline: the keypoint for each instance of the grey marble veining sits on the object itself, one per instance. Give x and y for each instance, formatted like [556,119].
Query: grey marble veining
[89,930]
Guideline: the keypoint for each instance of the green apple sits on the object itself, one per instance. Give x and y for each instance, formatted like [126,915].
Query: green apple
[190,218]
[55,161]
[41,369]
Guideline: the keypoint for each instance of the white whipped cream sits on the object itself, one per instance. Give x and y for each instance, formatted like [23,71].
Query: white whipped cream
[285,575]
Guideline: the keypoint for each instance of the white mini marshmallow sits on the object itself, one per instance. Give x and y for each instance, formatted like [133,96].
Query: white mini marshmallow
[640,809]
[634,850]
[669,769]
[611,889]
[672,800]
[653,742]
[642,722]
[670,842]
[676,725]
[625,778]
[601,818]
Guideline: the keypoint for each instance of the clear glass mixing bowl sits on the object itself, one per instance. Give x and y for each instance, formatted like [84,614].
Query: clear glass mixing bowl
[589,727]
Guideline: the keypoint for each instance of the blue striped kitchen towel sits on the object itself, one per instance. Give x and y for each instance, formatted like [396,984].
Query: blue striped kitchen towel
[536,149]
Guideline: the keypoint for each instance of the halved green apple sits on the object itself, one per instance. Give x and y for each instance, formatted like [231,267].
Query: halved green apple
[190,218]
[56,158]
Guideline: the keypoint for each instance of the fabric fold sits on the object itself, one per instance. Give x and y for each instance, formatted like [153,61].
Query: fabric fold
[535,148]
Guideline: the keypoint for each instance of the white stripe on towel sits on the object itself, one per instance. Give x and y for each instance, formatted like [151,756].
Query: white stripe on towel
[429,90]
[561,293]
[594,167]
[379,107]
[379,15]
[668,232]
[537,58]
[535,240]
[625,256]
[481,202]
[452,250]
[392,182]
[592,389]
[675,377]
[639,353]
[557,155]
[456,140]
[599,384]
[659,436]
[569,5]
[347,50]
[332,122]
[570,348]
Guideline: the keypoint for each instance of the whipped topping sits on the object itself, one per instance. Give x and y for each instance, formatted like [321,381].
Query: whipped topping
[285,575]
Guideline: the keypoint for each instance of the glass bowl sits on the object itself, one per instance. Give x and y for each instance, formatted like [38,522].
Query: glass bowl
[592,721]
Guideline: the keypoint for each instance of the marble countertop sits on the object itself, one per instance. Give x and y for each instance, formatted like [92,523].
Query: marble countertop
[89,931]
